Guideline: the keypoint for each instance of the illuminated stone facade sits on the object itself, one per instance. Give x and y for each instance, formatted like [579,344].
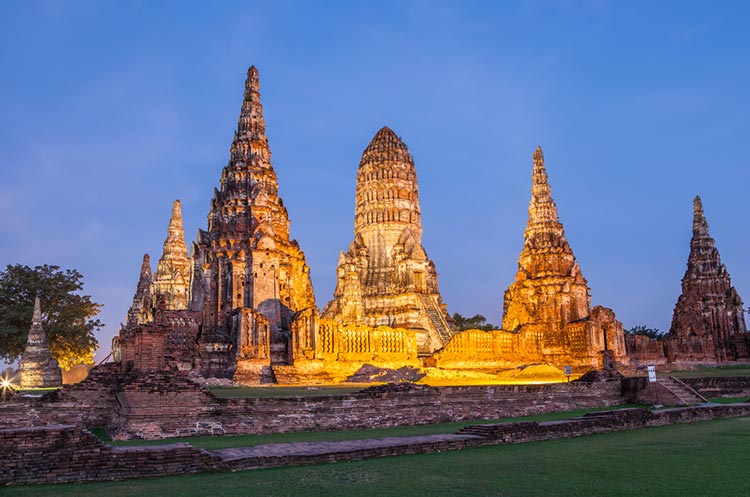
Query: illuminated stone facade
[547,315]
[386,278]
[244,296]
[241,305]
[170,285]
[250,279]
[37,368]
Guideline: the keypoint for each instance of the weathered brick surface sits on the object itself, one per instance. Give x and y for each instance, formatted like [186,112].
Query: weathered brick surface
[152,409]
[734,386]
[88,403]
[62,453]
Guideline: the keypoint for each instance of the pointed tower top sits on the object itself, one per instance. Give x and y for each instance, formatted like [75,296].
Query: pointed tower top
[37,337]
[538,157]
[542,207]
[250,138]
[252,83]
[37,317]
[175,232]
[700,225]
[146,267]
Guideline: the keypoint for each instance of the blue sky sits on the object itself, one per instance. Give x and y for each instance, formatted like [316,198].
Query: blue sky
[111,110]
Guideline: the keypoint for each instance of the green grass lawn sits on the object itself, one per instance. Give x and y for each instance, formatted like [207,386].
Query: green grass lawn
[729,400]
[722,371]
[229,441]
[700,459]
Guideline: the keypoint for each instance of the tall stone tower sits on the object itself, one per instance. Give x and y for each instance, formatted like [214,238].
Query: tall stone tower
[548,306]
[709,305]
[249,278]
[386,278]
[170,286]
[550,290]
[37,368]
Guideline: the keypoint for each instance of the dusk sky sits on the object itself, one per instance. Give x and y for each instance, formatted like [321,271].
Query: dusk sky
[111,110]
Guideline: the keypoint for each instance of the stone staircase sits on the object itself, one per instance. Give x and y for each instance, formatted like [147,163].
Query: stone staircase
[267,375]
[437,317]
[684,394]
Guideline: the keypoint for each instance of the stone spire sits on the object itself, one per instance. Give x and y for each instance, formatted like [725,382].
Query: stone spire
[700,225]
[542,209]
[140,311]
[549,290]
[37,337]
[709,305]
[37,368]
[386,274]
[245,264]
[173,270]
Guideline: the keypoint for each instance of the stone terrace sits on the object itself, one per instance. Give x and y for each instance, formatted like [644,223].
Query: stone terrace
[65,453]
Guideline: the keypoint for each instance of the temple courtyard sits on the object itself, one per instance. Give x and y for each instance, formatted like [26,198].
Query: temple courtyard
[646,462]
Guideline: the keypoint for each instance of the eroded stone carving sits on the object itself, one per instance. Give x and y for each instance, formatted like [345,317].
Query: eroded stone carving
[386,278]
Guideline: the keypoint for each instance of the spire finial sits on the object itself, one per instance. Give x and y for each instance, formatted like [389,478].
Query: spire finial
[37,317]
[541,208]
[252,83]
[146,267]
[700,225]
[538,157]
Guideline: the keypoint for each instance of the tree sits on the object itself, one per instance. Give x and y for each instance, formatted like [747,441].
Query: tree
[476,322]
[66,315]
[642,330]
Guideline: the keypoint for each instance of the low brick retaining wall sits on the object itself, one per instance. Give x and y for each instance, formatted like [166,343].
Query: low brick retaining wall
[152,409]
[730,386]
[55,454]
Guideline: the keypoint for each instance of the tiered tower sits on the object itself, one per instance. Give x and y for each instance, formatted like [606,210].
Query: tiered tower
[37,368]
[548,305]
[709,305]
[550,290]
[386,278]
[249,278]
[170,286]
[141,309]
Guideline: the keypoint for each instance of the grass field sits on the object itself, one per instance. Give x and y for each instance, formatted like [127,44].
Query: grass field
[229,441]
[700,459]
[720,371]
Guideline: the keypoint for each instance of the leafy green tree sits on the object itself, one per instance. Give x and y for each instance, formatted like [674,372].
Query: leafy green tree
[66,315]
[645,331]
[476,322]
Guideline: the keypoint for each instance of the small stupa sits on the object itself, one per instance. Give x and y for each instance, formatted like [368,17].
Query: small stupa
[38,369]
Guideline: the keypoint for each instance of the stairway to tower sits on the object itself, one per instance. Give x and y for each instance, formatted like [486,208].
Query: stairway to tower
[679,389]
[436,316]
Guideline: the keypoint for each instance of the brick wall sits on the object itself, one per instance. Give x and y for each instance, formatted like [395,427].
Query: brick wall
[53,454]
[155,410]
[67,453]
[736,386]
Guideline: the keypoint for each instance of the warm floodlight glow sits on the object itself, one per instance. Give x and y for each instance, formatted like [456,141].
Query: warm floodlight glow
[6,385]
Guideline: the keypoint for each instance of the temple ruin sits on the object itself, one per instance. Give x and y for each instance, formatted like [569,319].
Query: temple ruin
[386,278]
[547,315]
[708,323]
[241,305]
